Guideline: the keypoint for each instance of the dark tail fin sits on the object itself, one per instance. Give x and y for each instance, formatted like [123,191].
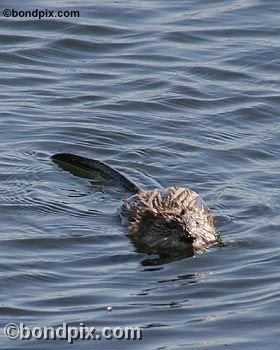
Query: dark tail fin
[91,165]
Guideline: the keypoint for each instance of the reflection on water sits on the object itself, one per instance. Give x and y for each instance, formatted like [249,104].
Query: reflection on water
[169,93]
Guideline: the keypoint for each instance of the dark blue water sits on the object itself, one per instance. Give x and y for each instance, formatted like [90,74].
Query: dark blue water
[171,93]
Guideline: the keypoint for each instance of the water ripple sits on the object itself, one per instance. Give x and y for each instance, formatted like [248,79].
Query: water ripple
[170,93]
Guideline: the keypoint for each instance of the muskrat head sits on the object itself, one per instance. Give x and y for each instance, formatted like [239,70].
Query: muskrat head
[161,232]
[169,221]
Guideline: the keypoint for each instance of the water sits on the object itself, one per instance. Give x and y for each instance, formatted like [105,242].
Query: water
[171,93]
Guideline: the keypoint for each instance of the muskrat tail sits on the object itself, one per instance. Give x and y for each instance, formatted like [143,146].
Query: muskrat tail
[91,165]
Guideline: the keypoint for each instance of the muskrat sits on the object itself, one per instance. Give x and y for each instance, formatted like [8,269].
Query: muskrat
[159,221]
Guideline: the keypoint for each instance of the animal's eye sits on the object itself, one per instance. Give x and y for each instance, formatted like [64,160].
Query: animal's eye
[183,212]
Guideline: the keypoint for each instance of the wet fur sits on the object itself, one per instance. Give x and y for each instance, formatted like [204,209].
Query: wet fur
[161,221]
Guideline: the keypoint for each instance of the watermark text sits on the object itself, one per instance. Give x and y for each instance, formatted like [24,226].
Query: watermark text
[40,13]
[70,333]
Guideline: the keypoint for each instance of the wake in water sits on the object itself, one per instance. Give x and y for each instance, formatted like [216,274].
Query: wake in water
[167,221]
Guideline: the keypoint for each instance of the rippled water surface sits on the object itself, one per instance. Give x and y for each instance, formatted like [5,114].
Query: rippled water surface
[171,93]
